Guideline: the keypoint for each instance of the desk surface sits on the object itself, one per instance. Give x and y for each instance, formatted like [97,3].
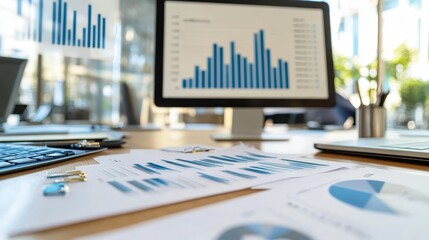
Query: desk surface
[301,142]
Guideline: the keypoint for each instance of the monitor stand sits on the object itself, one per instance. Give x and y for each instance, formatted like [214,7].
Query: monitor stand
[246,124]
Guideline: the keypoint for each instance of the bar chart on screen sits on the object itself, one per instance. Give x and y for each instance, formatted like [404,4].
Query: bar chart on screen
[241,73]
[76,28]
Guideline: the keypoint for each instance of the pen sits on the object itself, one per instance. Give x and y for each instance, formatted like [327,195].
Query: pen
[383,98]
[371,95]
[378,100]
[83,144]
[359,93]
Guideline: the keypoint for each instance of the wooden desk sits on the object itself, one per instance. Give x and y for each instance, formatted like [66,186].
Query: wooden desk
[301,142]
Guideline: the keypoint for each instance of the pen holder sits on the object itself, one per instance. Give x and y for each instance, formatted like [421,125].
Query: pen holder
[371,121]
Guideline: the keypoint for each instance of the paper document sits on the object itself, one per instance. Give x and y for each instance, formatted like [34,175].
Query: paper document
[363,203]
[149,178]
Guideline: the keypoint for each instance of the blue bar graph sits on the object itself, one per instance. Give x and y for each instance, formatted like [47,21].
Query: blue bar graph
[59,20]
[241,73]
[121,187]
[74,28]
[40,21]
[178,164]
[262,55]
[54,17]
[88,28]
[29,8]
[140,186]
[213,178]
[242,175]
[64,29]
[145,169]
[195,172]
[150,185]
[93,35]
[94,30]
[83,37]
[103,38]
[159,167]
[99,30]
[19,7]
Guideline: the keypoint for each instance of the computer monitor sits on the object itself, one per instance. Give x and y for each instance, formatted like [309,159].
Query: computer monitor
[11,71]
[243,54]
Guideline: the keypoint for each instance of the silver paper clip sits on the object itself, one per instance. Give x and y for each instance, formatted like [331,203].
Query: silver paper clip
[197,149]
[85,144]
[189,149]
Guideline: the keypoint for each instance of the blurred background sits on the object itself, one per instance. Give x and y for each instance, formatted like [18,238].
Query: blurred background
[115,86]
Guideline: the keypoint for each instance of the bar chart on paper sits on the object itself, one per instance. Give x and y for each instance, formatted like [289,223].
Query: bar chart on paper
[204,173]
[75,27]
[209,50]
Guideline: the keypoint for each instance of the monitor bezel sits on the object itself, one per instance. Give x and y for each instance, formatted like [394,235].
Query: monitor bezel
[162,101]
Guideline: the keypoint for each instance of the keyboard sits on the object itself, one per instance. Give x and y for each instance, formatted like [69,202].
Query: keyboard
[15,158]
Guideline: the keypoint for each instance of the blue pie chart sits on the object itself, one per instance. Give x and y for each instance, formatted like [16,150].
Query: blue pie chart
[374,195]
[263,232]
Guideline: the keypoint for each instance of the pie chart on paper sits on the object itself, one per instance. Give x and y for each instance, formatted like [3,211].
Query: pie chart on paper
[377,196]
[262,232]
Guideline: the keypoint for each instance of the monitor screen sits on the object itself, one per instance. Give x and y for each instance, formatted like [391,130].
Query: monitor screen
[238,53]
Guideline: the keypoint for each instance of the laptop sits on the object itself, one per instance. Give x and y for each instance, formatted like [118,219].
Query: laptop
[398,148]
[11,71]
[14,157]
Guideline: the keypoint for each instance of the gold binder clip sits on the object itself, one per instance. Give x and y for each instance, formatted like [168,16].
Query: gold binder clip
[72,179]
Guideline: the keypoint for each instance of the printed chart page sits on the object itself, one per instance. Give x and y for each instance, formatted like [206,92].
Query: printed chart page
[149,178]
[365,203]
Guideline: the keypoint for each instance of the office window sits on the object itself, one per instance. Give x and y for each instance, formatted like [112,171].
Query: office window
[87,89]
[415,3]
[341,26]
[72,65]
[389,4]
[405,55]
[355,35]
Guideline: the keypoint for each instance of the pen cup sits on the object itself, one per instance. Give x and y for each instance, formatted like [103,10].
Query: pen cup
[371,121]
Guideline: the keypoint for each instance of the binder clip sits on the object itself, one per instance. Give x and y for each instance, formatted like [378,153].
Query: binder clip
[67,174]
[197,149]
[68,177]
[85,144]
[72,179]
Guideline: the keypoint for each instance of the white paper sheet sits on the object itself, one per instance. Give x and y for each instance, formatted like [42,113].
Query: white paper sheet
[364,203]
[145,179]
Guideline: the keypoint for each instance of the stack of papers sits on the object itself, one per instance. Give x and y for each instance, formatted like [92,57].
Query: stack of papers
[144,179]
[307,198]
[359,203]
